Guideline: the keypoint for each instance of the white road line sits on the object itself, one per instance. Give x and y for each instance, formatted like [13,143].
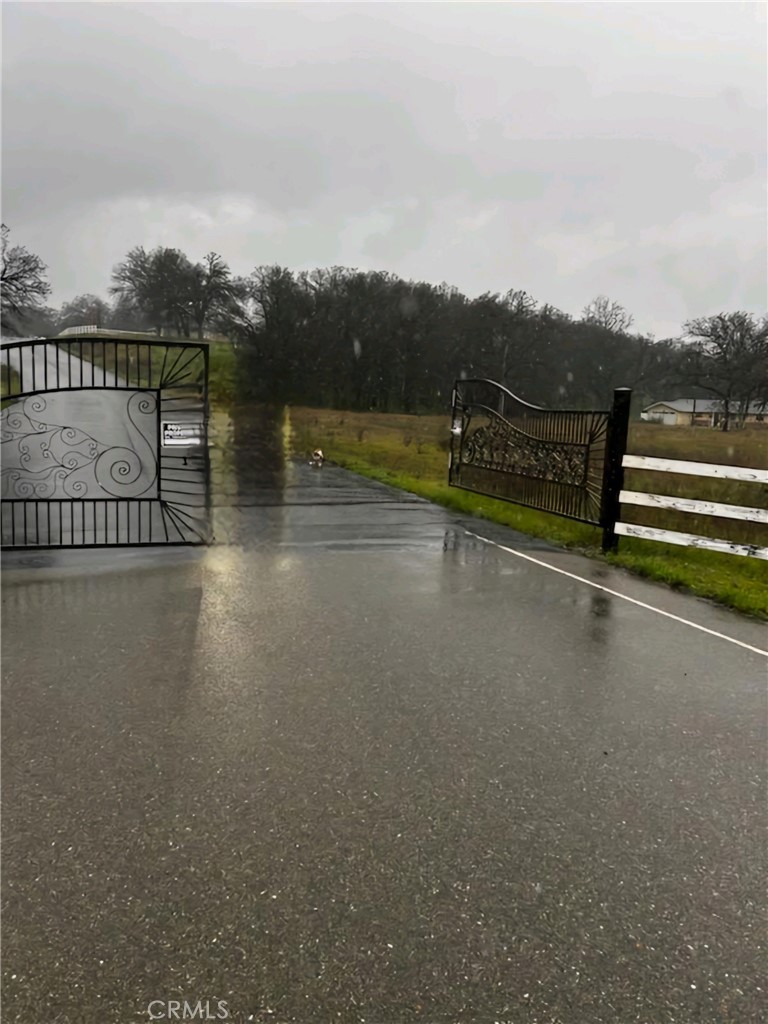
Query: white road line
[615,593]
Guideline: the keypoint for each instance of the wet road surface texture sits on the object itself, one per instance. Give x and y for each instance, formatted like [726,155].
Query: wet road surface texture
[354,764]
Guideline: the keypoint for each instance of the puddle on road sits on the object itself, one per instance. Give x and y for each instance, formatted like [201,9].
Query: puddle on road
[264,491]
[248,455]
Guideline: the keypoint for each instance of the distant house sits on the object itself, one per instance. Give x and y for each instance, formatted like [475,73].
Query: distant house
[699,412]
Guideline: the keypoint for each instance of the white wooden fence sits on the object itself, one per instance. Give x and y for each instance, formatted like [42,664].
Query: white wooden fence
[701,508]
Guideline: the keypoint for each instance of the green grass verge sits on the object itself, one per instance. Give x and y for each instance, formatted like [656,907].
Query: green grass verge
[222,372]
[10,382]
[421,469]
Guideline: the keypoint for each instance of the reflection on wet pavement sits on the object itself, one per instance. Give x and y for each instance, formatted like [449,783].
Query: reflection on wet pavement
[264,492]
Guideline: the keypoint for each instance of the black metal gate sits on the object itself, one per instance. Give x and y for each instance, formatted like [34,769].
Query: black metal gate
[104,443]
[563,461]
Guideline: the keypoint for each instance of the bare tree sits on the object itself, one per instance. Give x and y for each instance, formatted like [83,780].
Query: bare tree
[210,288]
[23,283]
[727,355]
[126,315]
[84,310]
[605,313]
[159,284]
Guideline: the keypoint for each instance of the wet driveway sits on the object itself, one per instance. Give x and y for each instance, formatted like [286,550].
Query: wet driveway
[354,764]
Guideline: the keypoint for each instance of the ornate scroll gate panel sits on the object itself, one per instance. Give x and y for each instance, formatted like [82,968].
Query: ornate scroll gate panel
[567,462]
[104,443]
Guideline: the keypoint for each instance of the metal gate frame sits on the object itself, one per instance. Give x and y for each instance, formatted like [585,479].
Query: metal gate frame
[564,461]
[164,377]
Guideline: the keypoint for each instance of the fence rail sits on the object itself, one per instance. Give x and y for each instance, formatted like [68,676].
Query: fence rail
[707,469]
[693,506]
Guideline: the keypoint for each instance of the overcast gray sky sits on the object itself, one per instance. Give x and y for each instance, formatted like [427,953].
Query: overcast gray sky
[565,149]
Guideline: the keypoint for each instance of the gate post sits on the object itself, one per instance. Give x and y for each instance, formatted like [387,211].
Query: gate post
[613,470]
[454,430]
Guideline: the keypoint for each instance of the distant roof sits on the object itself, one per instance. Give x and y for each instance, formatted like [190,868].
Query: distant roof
[699,405]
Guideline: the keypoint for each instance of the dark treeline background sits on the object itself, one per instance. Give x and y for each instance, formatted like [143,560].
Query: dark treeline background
[368,340]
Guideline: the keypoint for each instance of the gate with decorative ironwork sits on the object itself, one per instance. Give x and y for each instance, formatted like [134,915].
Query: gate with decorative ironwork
[563,461]
[104,443]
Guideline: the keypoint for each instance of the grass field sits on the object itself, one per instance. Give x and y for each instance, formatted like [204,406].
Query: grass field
[222,371]
[9,380]
[412,452]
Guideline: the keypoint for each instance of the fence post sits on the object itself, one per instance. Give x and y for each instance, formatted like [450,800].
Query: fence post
[613,471]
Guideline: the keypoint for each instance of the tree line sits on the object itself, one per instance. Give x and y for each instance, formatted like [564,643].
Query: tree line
[363,340]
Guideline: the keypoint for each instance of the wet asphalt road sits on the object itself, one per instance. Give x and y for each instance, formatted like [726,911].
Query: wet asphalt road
[353,764]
